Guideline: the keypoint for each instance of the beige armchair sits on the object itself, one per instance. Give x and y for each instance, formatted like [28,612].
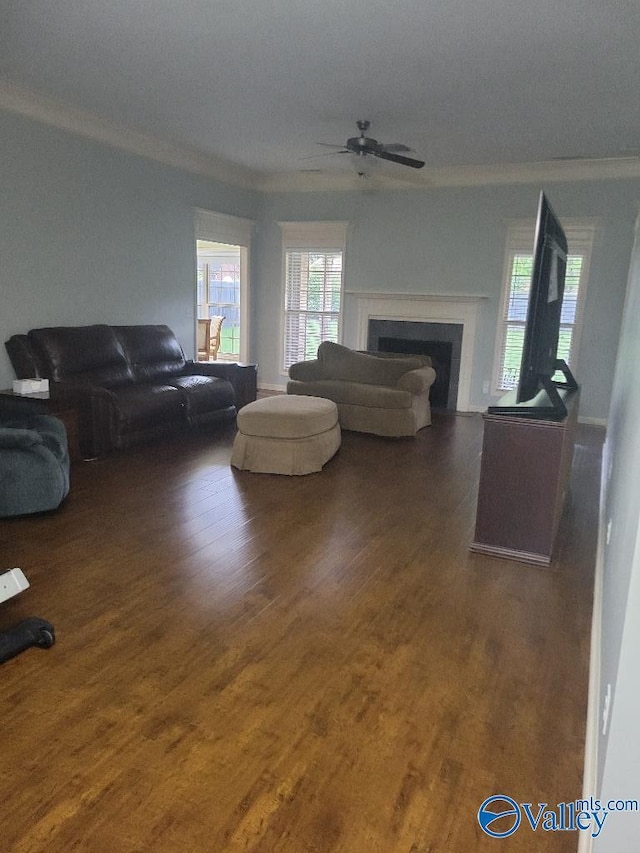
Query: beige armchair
[380,394]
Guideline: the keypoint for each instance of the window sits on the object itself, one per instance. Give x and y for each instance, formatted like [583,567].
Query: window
[313,286]
[515,297]
[218,292]
[222,278]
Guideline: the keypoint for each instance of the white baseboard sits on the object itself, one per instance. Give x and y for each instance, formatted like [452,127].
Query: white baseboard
[472,409]
[592,734]
[600,422]
[268,386]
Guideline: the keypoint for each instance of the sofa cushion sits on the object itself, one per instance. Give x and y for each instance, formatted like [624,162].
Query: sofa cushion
[153,351]
[142,407]
[354,393]
[340,362]
[204,394]
[90,354]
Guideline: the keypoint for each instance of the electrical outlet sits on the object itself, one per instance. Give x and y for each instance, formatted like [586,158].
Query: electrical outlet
[605,709]
[485,387]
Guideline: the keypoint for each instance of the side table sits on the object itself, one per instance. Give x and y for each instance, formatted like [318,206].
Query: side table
[246,383]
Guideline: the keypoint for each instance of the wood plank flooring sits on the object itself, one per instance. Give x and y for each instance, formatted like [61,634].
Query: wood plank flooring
[286,664]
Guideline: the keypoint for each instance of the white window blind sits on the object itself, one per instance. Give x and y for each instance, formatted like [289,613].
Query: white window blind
[313,287]
[516,290]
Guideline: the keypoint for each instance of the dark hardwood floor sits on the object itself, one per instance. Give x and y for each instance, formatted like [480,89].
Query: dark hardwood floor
[259,663]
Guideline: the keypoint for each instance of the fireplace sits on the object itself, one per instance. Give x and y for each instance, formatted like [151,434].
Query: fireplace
[441,341]
[440,354]
[449,317]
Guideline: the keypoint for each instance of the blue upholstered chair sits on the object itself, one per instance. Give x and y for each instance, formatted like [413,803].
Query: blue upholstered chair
[34,461]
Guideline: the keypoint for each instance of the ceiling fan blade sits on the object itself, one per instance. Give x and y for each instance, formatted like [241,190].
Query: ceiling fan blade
[396,158]
[329,145]
[326,154]
[395,147]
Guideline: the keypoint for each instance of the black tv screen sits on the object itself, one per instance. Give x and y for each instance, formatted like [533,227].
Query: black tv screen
[537,394]
[542,330]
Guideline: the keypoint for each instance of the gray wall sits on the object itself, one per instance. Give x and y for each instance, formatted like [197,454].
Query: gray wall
[89,234]
[619,752]
[452,240]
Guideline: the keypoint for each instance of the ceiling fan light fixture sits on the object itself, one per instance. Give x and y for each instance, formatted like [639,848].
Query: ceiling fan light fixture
[361,164]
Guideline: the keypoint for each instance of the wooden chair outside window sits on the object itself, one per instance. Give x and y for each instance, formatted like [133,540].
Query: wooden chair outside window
[204,339]
[214,344]
[209,338]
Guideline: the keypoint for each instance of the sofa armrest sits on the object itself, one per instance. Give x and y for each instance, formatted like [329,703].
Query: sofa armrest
[94,406]
[16,438]
[307,371]
[417,381]
[222,369]
[242,377]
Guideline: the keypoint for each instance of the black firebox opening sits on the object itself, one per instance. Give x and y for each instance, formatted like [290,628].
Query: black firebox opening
[440,353]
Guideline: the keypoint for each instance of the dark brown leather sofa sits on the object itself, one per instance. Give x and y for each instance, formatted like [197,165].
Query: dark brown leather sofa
[128,384]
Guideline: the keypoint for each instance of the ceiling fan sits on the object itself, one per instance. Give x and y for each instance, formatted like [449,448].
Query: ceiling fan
[364,146]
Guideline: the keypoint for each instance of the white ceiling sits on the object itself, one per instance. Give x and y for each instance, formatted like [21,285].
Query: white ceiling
[257,83]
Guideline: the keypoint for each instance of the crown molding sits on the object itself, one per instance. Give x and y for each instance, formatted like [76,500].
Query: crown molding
[40,108]
[458,176]
[64,117]
[321,181]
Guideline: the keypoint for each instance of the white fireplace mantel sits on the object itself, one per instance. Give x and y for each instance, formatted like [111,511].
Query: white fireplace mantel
[425,308]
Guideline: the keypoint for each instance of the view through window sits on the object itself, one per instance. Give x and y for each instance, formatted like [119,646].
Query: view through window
[218,292]
[313,266]
[313,296]
[517,285]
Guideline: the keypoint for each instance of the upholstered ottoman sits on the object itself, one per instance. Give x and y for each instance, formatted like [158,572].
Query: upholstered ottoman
[286,435]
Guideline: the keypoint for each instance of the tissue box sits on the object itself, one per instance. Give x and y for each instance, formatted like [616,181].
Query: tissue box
[30,386]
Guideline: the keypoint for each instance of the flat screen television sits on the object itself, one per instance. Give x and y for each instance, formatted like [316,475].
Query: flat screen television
[537,394]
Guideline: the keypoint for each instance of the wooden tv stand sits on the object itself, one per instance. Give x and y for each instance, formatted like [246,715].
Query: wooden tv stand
[524,477]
